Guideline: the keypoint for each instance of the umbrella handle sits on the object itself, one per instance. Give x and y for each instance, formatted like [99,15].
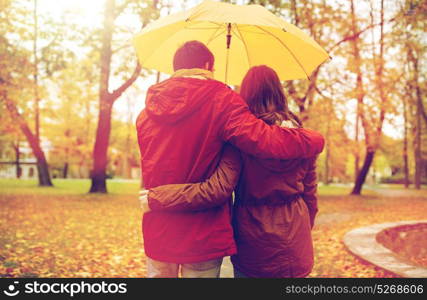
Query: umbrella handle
[226,66]
[228,51]
[228,35]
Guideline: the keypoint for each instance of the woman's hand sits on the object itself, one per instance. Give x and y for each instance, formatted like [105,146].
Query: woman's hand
[143,199]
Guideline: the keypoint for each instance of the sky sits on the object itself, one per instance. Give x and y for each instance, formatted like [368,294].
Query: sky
[90,15]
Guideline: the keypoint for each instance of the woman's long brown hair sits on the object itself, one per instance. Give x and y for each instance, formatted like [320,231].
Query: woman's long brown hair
[263,92]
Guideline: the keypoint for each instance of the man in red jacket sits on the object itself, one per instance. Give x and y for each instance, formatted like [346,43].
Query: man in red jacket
[181,133]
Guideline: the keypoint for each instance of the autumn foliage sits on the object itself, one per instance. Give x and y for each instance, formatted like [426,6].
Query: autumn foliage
[62,232]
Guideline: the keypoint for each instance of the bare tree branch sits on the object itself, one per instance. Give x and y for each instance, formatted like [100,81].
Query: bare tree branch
[316,88]
[119,91]
[120,48]
[357,34]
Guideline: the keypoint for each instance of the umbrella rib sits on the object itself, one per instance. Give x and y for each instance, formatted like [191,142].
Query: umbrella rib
[188,26]
[200,28]
[244,44]
[287,48]
[236,35]
[220,26]
[213,36]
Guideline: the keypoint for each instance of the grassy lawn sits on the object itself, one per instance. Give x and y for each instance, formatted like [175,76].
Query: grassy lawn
[65,232]
[116,187]
[65,187]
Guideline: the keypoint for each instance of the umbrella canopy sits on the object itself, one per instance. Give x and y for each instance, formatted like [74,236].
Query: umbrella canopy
[239,36]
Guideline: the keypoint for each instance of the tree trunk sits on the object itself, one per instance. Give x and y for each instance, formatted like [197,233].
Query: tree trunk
[356,152]
[373,131]
[414,58]
[420,114]
[295,12]
[417,149]
[127,166]
[43,170]
[327,150]
[17,160]
[369,157]
[405,145]
[65,170]
[104,119]
[360,98]
[42,166]
[106,101]
[99,172]
[327,157]
[35,75]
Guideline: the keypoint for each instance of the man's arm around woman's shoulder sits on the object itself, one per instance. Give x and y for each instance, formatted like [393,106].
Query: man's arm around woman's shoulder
[255,137]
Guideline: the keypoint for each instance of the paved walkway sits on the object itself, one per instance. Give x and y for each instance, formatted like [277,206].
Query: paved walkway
[362,242]
[227,268]
[384,191]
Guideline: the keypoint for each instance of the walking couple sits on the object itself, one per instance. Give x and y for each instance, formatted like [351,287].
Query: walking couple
[199,142]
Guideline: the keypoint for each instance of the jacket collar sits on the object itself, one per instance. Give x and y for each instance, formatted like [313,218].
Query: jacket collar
[194,73]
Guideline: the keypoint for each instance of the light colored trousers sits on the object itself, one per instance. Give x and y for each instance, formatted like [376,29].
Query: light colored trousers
[205,269]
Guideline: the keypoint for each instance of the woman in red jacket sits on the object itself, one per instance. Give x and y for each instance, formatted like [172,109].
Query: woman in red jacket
[275,200]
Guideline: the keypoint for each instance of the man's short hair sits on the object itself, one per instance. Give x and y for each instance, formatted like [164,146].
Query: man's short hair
[193,54]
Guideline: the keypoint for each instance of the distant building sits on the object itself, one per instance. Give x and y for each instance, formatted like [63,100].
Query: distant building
[25,167]
[122,166]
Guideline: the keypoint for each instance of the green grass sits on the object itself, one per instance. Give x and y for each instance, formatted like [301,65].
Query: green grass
[114,187]
[368,190]
[331,190]
[130,187]
[340,190]
[66,187]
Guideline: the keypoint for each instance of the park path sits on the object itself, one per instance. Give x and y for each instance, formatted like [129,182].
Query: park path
[384,191]
[226,268]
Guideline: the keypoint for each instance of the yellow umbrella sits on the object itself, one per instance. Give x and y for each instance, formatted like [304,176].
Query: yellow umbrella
[239,36]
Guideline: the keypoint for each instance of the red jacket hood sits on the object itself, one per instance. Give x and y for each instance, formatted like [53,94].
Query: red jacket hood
[173,99]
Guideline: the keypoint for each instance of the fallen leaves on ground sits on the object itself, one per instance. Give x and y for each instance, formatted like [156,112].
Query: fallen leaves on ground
[100,235]
[70,236]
